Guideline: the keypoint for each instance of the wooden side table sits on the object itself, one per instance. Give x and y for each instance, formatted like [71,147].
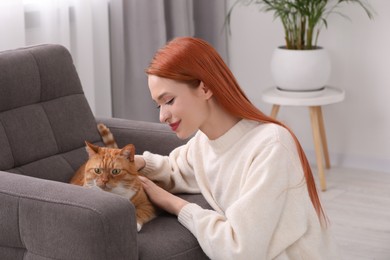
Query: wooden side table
[313,100]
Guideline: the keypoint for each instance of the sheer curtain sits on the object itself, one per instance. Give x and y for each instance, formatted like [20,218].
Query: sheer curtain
[82,26]
[138,28]
[112,41]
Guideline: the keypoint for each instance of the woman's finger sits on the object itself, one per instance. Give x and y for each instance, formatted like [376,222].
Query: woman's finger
[161,197]
[146,183]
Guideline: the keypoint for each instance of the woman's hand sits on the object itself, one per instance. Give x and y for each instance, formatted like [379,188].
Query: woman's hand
[162,198]
[139,162]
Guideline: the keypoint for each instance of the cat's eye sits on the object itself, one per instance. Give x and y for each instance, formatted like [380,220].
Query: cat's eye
[116,171]
[98,170]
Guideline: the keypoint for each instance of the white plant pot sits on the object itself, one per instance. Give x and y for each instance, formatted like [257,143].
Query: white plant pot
[300,70]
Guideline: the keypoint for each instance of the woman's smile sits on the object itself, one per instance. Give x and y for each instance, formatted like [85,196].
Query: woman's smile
[175,125]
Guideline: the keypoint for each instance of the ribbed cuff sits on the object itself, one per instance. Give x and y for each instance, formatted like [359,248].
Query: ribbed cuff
[186,214]
[150,166]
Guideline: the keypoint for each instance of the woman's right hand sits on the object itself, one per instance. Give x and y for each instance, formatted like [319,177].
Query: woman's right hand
[139,162]
[162,198]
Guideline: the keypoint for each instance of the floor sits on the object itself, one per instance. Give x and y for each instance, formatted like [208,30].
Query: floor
[357,203]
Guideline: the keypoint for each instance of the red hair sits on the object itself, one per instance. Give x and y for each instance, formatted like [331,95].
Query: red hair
[190,60]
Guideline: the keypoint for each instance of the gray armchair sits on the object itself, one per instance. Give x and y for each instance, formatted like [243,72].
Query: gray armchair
[44,121]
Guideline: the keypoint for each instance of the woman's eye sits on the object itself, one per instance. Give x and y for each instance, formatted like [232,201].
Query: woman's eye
[116,171]
[170,102]
[98,171]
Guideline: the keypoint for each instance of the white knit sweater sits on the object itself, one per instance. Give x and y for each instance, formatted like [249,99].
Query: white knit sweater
[253,179]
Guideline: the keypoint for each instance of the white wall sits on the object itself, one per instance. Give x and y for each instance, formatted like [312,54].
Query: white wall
[358,129]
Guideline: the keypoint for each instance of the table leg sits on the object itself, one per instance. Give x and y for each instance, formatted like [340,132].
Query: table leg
[323,138]
[275,111]
[315,124]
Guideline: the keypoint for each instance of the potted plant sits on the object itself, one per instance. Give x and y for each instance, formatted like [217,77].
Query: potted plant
[300,64]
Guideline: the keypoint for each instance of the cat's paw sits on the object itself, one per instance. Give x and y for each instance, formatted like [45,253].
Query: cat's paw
[139,226]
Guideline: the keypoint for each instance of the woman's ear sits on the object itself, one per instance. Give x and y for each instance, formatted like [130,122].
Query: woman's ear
[205,91]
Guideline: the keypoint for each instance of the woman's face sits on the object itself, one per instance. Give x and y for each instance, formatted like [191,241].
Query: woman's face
[184,108]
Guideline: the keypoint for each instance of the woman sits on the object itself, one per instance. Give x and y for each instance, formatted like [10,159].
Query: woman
[249,167]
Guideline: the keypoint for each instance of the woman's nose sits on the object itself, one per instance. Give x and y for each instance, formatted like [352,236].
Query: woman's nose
[164,114]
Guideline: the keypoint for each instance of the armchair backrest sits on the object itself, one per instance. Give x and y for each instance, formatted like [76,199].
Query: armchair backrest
[44,115]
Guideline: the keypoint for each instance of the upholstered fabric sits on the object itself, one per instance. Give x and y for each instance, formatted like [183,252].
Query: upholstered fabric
[43,113]
[44,121]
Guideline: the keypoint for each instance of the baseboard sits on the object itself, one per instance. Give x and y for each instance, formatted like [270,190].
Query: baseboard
[353,161]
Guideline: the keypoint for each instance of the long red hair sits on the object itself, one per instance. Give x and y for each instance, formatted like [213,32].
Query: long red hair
[192,60]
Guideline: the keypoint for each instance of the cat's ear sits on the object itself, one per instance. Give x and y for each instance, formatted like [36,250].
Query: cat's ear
[91,149]
[128,151]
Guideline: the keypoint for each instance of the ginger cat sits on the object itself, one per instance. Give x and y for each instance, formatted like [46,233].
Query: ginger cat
[113,170]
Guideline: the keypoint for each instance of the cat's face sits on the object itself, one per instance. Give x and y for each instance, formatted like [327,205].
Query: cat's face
[112,170]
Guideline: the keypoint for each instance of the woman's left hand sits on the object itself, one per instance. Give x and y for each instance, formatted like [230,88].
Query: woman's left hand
[162,198]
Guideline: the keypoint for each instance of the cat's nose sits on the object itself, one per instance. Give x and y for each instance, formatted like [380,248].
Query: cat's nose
[104,179]
[102,183]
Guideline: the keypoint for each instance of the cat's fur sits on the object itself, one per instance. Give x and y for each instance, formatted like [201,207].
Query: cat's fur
[107,136]
[113,170]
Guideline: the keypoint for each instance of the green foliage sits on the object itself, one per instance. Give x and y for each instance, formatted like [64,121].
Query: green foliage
[302,19]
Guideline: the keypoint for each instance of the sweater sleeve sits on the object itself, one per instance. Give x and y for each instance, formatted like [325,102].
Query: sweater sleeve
[174,173]
[268,216]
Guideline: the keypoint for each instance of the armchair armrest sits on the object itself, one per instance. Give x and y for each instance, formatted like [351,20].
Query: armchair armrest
[44,219]
[146,136]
